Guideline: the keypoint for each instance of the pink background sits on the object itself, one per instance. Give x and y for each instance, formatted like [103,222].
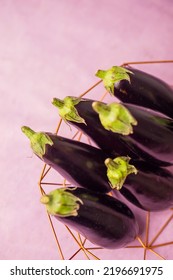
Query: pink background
[53,48]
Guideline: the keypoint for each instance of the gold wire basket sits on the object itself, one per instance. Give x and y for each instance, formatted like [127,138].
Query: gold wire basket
[152,243]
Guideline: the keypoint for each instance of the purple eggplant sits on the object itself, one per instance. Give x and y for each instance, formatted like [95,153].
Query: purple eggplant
[102,219]
[134,86]
[151,189]
[152,136]
[80,163]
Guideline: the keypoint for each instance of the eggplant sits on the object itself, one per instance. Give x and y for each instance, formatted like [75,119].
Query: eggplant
[151,189]
[102,219]
[150,137]
[140,88]
[80,163]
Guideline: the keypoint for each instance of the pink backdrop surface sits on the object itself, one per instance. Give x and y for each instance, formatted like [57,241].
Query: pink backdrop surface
[53,49]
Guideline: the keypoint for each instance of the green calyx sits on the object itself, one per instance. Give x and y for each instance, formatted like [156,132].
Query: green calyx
[61,202]
[117,171]
[67,110]
[115,117]
[38,140]
[112,76]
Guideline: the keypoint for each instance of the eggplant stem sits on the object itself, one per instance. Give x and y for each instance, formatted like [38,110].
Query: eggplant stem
[28,131]
[45,199]
[67,110]
[117,171]
[115,117]
[61,202]
[38,140]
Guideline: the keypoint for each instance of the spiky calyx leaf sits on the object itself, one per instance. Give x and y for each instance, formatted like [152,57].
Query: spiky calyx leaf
[67,110]
[38,140]
[112,76]
[115,117]
[117,171]
[62,202]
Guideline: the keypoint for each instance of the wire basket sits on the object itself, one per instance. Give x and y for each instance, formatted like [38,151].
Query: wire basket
[153,241]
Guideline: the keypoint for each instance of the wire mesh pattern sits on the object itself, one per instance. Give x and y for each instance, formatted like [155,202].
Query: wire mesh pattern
[152,245]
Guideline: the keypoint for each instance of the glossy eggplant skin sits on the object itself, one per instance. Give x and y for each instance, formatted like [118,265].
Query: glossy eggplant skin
[151,140]
[152,137]
[103,220]
[80,163]
[151,189]
[147,91]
